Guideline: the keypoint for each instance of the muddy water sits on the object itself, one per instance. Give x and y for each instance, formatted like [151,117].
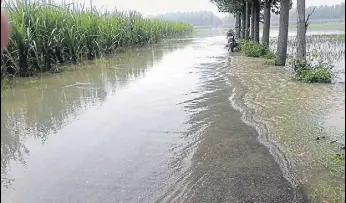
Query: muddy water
[306,121]
[150,125]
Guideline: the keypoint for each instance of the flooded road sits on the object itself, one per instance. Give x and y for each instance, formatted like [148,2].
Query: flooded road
[150,125]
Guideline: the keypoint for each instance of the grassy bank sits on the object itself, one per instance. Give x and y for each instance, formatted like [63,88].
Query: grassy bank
[43,37]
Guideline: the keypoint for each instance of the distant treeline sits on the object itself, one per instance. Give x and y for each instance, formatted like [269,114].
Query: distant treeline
[321,13]
[199,18]
[208,18]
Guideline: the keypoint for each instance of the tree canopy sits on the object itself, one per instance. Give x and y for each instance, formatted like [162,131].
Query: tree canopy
[234,6]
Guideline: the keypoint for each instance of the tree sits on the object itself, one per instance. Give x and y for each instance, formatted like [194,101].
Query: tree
[243,24]
[301,30]
[267,4]
[229,6]
[244,10]
[247,14]
[235,7]
[252,26]
[256,17]
[302,26]
[237,25]
[240,9]
[268,7]
[281,52]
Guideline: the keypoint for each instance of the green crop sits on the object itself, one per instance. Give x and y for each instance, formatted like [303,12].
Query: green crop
[45,36]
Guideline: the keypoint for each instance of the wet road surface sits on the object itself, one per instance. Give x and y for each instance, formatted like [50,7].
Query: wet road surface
[152,125]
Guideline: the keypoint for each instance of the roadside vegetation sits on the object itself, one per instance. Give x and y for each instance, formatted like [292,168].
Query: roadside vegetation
[254,49]
[43,37]
[307,72]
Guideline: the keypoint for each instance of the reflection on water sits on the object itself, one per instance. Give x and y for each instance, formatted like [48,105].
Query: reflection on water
[39,108]
[303,119]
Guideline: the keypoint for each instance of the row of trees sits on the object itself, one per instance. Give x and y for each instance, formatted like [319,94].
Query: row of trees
[199,18]
[249,14]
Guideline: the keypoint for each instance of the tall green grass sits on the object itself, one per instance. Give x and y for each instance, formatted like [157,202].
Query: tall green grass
[44,36]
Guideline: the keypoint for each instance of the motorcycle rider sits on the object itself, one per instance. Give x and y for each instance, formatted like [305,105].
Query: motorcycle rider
[230,38]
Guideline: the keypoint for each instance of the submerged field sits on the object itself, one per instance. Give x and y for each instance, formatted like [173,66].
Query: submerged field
[43,37]
[321,26]
[328,49]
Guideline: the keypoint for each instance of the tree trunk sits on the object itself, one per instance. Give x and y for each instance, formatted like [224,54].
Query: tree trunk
[257,20]
[247,24]
[281,52]
[252,34]
[237,25]
[266,24]
[301,30]
[243,24]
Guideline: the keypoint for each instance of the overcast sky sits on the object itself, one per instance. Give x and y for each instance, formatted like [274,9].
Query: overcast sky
[148,7]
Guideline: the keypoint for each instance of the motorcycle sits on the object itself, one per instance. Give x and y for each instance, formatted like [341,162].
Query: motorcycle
[231,44]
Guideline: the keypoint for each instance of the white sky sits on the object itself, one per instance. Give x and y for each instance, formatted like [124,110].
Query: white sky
[148,7]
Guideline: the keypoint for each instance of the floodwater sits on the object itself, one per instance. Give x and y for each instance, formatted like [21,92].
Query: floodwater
[306,121]
[165,123]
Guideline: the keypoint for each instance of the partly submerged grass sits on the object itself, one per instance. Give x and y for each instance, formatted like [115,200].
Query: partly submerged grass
[318,66]
[6,83]
[339,37]
[324,52]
